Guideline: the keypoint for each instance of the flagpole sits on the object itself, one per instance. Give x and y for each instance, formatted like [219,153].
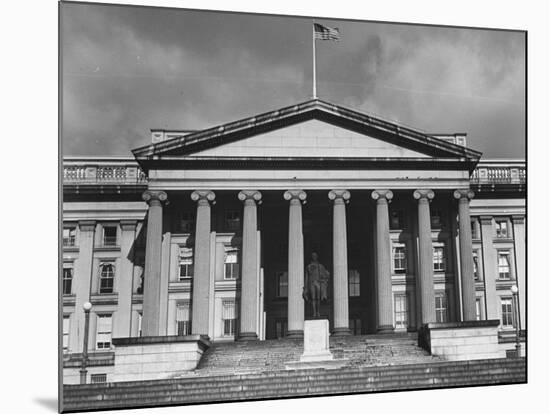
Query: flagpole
[314,74]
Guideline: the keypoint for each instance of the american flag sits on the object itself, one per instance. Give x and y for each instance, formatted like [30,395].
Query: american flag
[325,32]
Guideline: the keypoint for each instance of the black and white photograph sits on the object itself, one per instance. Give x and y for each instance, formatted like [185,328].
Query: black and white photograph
[260,206]
[275,206]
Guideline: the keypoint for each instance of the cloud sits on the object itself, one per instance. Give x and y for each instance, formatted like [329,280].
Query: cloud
[128,69]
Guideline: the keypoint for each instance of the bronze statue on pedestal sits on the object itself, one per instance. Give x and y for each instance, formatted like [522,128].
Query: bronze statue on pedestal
[316,284]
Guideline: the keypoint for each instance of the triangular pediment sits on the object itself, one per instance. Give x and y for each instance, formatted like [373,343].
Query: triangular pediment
[312,130]
[311,138]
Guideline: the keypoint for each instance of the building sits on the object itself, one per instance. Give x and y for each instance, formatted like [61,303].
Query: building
[208,232]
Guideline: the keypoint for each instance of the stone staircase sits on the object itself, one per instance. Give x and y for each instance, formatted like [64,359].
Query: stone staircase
[293,383]
[272,355]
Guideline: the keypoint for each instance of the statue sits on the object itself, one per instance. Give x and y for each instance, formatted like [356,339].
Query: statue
[316,284]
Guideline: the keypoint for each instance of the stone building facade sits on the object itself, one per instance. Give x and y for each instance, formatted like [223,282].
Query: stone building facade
[208,232]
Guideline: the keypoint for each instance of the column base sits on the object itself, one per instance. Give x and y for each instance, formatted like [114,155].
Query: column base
[341,332]
[385,329]
[296,334]
[247,336]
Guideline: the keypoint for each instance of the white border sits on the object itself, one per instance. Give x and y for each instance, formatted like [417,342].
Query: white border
[29,304]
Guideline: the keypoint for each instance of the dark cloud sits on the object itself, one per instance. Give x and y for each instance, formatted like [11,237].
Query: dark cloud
[129,69]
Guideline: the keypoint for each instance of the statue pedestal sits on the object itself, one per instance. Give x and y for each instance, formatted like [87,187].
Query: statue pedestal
[316,343]
[316,348]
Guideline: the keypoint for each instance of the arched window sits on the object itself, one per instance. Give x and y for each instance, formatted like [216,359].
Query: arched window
[106,278]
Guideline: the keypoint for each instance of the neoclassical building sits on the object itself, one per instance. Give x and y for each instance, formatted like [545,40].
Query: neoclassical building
[209,232]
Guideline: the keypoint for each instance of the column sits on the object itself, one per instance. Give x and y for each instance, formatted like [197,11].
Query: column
[151,276]
[340,260]
[466,259]
[518,223]
[250,277]
[489,267]
[383,261]
[201,276]
[82,282]
[425,256]
[295,263]
[123,315]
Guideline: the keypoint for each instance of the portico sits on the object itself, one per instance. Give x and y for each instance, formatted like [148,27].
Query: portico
[271,170]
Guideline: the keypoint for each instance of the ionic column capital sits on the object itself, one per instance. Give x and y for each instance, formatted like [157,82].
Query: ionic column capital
[154,197]
[339,196]
[203,197]
[298,195]
[253,196]
[424,194]
[382,195]
[464,194]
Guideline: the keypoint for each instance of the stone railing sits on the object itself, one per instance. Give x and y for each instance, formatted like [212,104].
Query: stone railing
[127,172]
[102,171]
[499,172]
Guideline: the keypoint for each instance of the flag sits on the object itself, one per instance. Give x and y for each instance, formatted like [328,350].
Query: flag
[325,32]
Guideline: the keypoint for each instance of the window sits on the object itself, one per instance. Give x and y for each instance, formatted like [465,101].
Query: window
[504,265]
[354,283]
[507,312]
[103,335]
[109,236]
[396,219]
[232,220]
[186,263]
[441,307]
[67,278]
[280,328]
[478,309]
[475,233]
[439,258]
[401,311]
[183,320]
[435,219]
[66,327]
[355,326]
[98,378]
[69,236]
[502,228]
[476,264]
[229,317]
[399,259]
[187,222]
[106,277]
[140,323]
[231,266]
[282,284]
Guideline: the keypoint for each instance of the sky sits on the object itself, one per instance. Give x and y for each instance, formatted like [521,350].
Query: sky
[127,70]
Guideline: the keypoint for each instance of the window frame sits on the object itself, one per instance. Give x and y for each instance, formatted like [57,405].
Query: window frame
[104,278]
[401,323]
[498,228]
[109,241]
[67,333]
[229,326]
[354,283]
[397,221]
[280,277]
[235,266]
[395,247]
[441,311]
[69,241]
[183,325]
[99,333]
[188,266]
[507,314]
[68,266]
[232,225]
[508,254]
[436,247]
